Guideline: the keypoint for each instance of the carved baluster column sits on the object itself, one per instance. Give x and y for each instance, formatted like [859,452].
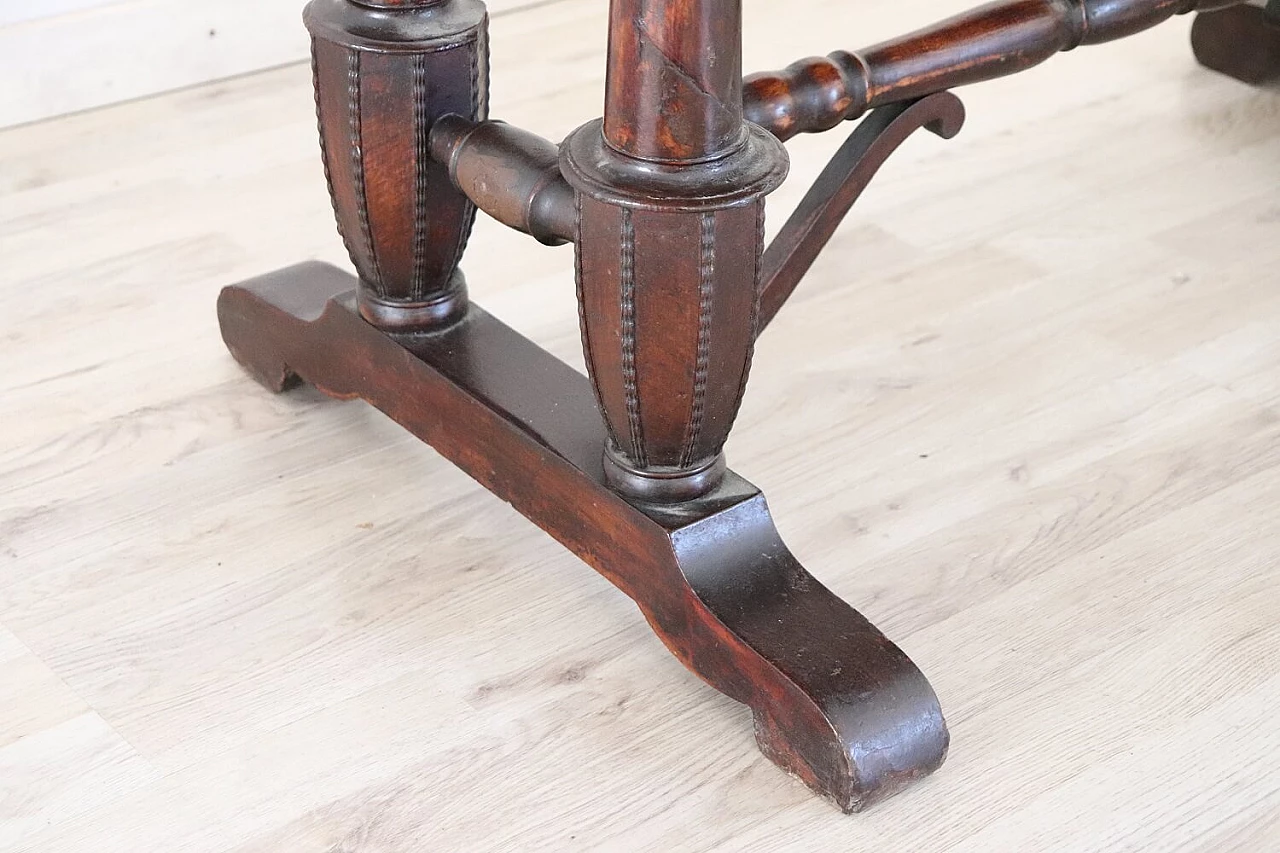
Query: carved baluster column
[670,194]
[385,70]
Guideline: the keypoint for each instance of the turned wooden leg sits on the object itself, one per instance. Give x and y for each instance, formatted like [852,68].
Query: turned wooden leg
[670,195]
[1241,42]
[385,70]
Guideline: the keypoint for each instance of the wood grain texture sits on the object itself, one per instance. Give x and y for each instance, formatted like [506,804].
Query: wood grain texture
[987,42]
[382,77]
[1037,393]
[835,703]
[668,273]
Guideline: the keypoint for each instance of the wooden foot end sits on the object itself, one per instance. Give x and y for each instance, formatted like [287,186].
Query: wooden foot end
[1240,41]
[835,702]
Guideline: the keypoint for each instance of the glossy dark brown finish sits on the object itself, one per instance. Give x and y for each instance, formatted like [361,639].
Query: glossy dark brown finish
[834,701]
[839,186]
[991,41]
[669,299]
[674,81]
[670,196]
[382,77]
[1242,42]
[511,174]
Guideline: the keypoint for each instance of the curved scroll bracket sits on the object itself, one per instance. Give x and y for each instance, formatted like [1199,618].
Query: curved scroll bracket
[841,183]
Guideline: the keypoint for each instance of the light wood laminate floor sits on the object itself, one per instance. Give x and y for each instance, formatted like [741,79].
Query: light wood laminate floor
[1024,414]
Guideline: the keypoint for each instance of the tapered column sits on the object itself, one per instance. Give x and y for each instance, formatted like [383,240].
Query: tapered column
[385,70]
[670,196]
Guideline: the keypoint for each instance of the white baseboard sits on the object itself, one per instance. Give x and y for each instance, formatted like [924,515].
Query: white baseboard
[104,54]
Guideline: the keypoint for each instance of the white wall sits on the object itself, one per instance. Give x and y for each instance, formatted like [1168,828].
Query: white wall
[13,11]
[61,56]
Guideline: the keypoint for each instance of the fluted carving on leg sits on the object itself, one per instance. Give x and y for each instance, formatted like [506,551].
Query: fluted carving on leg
[384,73]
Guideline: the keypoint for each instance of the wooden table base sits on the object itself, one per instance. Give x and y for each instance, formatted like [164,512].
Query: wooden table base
[835,702]
[664,200]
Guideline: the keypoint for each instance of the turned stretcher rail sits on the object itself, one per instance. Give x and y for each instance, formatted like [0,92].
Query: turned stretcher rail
[509,173]
[811,95]
[995,40]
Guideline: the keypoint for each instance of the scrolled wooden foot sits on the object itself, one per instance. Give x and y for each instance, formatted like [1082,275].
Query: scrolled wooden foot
[1242,42]
[834,701]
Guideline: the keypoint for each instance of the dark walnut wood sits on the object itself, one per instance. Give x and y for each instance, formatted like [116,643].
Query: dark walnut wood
[511,174]
[994,40]
[835,703]
[670,193]
[664,200]
[384,72]
[673,87]
[1242,42]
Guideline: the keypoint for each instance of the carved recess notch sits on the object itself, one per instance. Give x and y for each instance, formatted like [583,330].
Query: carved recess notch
[384,72]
